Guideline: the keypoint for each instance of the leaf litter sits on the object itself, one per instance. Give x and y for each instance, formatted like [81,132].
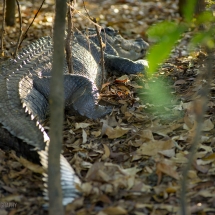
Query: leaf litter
[131,161]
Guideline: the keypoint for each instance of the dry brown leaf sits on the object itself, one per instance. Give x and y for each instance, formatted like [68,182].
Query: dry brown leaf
[77,203]
[33,167]
[168,207]
[96,172]
[188,106]
[96,133]
[138,116]
[192,174]
[86,188]
[13,197]
[146,135]
[172,189]
[205,193]
[126,113]
[207,125]
[151,148]
[197,208]
[180,158]
[167,169]
[9,189]
[15,174]
[71,131]
[105,85]
[163,130]
[122,79]
[101,213]
[124,109]
[207,149]
[168,153]
[189,121]
[117,132]
[84,136]
[106,152]
[210,157]
[115,210]
[111,120]
[135,85]
[82,125]
[200,168]
[124,88]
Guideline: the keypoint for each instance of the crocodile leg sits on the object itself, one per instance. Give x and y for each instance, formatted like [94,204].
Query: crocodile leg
[81,95]
[120,66]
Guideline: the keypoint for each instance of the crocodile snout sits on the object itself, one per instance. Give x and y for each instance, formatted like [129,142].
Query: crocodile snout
[133,49]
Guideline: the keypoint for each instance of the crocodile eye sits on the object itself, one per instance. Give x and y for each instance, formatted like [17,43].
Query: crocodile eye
[139,39]
[110,31]
[108,28]
[143,51]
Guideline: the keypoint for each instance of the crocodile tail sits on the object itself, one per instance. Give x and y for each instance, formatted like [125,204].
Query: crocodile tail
[69,180]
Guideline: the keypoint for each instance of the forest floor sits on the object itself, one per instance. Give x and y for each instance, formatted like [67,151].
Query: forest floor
[130,162]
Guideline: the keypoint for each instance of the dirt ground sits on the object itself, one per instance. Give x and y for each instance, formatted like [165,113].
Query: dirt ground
[131,161]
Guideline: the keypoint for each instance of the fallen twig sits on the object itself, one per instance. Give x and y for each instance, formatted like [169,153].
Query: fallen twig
[90,20]
[97,27]
[101,44]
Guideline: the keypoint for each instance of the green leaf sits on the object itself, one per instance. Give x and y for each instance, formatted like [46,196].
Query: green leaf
[159,52]
[160,30]
[205,17]
[203,38]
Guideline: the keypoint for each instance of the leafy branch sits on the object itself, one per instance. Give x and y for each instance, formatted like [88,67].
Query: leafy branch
[167,34]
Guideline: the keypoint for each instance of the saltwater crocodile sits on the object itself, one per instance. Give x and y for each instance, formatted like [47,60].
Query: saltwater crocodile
[24,91]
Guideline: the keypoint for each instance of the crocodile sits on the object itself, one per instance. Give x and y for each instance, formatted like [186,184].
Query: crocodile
[24,94]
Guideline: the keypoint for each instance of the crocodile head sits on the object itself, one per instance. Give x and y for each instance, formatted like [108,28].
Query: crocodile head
[132,49]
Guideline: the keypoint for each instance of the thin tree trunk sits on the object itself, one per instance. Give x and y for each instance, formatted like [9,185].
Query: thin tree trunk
[3,30]
[200,6]
[56,111]
[10,12]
